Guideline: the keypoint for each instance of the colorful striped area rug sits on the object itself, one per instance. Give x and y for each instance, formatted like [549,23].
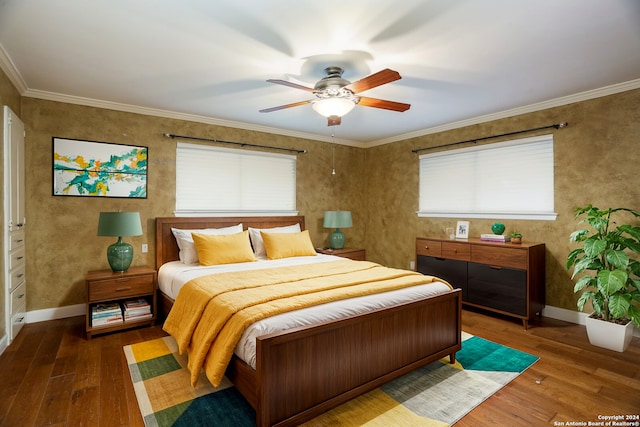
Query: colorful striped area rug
[438,394]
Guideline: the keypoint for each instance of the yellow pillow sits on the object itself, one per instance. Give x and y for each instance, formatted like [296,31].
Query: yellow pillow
[223,249]
[285,245]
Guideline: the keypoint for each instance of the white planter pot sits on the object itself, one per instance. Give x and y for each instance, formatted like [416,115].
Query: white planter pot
[609,335]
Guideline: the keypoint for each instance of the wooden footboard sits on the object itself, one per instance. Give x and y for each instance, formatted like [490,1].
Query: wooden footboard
[303,372]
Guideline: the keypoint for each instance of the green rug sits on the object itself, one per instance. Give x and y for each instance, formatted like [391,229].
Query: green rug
[438,394]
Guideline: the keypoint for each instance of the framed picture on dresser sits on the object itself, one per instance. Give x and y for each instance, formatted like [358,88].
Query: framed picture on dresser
[462,230]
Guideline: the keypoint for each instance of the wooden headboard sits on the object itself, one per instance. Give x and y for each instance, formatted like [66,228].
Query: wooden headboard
[167,248]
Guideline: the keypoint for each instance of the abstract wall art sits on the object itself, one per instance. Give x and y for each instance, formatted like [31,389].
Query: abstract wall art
[99,169]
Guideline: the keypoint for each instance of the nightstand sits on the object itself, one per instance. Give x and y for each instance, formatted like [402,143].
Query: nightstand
[351,253]
[105,286]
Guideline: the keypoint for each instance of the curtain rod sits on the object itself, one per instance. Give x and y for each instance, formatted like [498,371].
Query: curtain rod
[556,126]
[242,144]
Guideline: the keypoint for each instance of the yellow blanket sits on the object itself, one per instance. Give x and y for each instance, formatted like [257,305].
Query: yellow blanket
[212,312]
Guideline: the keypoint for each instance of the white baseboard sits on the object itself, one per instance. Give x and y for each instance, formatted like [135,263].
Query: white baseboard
[573,316]
[56,313]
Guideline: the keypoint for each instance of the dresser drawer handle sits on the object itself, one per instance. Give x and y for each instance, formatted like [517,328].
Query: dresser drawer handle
[426,247]
[495,267]
[19,275]
[19,257]
[19,240]
[19,320]
[123,289]
[20,296]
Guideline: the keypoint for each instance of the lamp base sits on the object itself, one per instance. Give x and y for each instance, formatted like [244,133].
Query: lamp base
[336,239]
[120,255]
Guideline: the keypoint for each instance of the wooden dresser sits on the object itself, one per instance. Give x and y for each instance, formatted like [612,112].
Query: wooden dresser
[501,277]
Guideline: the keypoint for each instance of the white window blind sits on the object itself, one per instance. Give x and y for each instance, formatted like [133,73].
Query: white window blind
[512,180]
[214,180]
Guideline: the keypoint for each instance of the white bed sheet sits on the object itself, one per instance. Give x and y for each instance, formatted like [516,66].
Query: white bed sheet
[173,275]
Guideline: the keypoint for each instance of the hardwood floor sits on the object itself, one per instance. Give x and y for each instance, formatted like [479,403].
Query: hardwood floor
[50,375]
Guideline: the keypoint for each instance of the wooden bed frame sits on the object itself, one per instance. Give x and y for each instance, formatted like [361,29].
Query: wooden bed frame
[303,372]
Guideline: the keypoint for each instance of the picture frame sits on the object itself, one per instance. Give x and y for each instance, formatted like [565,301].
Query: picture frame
[462,230]
[99,169]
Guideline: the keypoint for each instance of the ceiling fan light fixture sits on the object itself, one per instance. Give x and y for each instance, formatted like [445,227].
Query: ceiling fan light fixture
[328,107]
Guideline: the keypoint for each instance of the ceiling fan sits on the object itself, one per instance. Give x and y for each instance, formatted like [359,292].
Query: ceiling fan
[335,96]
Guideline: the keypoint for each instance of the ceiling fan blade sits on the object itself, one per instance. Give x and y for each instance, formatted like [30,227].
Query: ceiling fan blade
[334,120]
[381,103]
[291,84]
[377,79]
[282,107]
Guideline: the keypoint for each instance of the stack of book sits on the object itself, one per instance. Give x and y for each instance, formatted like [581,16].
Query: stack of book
[136,309]
[106,314]
[494,238]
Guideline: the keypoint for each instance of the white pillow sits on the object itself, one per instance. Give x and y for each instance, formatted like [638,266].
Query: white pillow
[188,254]
[258,243]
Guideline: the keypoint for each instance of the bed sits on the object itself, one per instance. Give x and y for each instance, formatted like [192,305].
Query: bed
[305,371]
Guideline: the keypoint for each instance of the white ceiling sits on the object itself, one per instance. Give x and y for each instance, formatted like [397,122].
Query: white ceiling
[460,61]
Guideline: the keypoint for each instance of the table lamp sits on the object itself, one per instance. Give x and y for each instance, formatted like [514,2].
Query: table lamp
[337,220]
[119,224]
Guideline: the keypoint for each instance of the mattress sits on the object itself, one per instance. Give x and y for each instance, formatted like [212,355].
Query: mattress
[173,275]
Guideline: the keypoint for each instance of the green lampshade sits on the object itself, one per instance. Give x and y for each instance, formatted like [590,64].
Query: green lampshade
[337,220]
[119,224]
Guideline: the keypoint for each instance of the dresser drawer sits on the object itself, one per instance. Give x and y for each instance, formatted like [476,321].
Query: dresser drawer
[18,298]
[500,288]
[453,250]
[16,258]
[101,290]
[16,240]
[429,247]
[499,256]
[451,270]
[17,322]
[17,277]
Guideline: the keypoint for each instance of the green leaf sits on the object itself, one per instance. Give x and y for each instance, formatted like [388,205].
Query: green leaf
[594,247]
[634,315]
[583,282]
[578,235]
[618,306]
[584,298]
[619,259]
[587,264]
[571,258]
[610,282]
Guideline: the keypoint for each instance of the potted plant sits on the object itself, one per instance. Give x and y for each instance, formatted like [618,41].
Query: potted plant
[609,256]
[515,237]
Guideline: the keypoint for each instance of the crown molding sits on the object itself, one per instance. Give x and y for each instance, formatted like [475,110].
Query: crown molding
[90,102]
[11,71]
[557,102]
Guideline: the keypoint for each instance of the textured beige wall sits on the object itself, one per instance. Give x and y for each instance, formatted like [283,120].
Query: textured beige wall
[596,161]
[9,96]
[379,185]
[62,242]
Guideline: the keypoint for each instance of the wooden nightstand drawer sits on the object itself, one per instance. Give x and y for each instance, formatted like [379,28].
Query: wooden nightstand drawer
[123,287]
[429,247]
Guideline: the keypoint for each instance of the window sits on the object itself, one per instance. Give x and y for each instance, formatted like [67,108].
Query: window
[509,180]
[222,181]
